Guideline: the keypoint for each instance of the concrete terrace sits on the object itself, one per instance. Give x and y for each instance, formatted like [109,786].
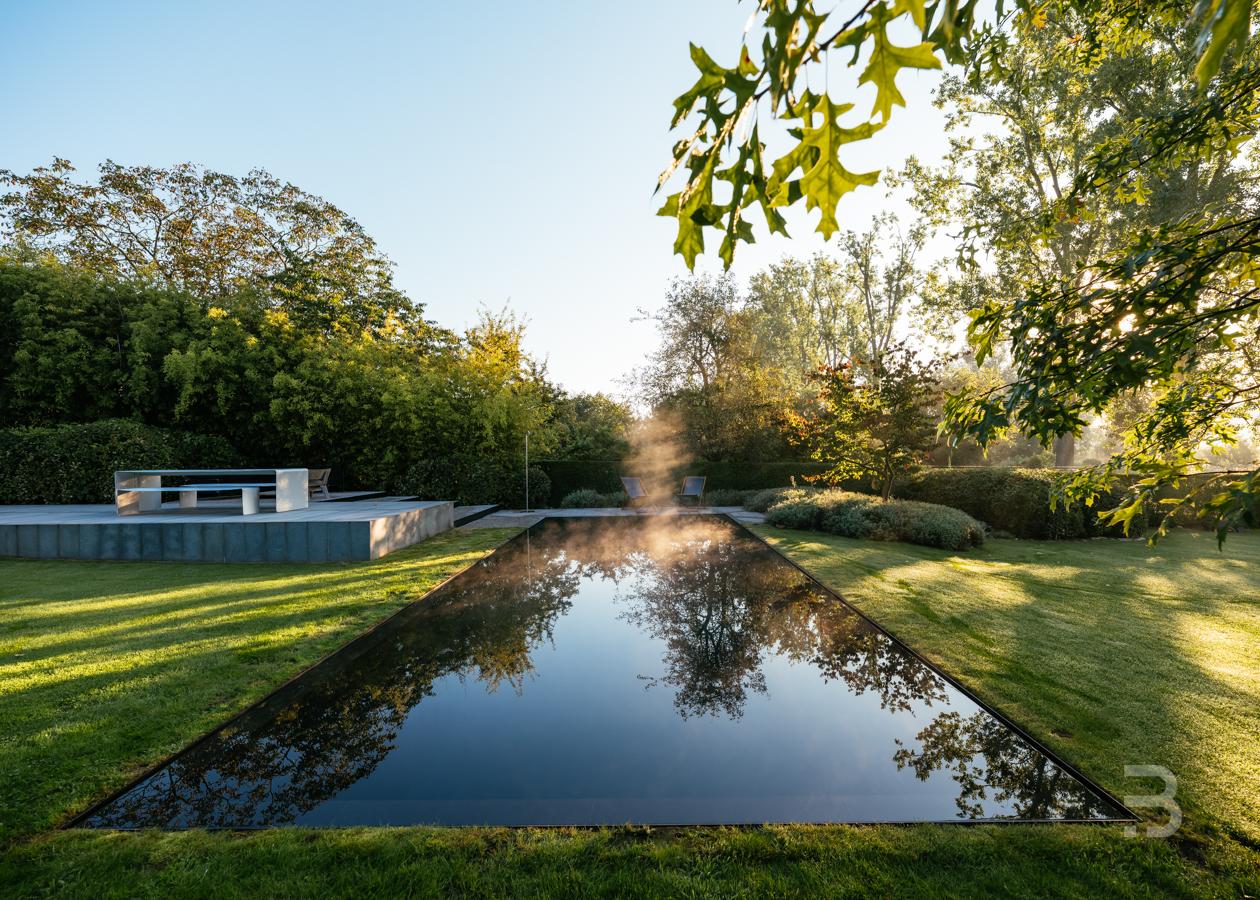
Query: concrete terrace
[327,531]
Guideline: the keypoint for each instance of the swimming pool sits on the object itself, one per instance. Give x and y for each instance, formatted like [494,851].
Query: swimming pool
[652,670]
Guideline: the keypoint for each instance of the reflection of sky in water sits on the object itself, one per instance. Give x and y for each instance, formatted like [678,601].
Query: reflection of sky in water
[657,671]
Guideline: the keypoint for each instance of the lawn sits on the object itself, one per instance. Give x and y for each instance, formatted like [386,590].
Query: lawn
[1108,651]
[108,667]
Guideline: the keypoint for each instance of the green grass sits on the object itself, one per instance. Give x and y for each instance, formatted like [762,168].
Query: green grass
[108,667]
[1109,652]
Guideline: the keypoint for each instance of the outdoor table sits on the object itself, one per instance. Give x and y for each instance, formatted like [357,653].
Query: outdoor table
[140,490]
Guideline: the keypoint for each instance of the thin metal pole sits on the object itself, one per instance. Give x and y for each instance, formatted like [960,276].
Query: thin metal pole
[527,471]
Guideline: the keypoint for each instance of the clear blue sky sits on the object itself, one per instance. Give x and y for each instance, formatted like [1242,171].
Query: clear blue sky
[498,152]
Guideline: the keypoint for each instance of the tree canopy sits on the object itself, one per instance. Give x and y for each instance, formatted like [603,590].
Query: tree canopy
[1110,229]
[211,235]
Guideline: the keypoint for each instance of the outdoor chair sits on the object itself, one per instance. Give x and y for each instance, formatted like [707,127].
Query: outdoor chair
[634,489]
[317,483]
[693,489]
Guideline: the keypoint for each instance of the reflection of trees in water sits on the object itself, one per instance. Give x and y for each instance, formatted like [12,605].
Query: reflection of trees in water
[719,602]
[990,762]
[324,733]
[712,622]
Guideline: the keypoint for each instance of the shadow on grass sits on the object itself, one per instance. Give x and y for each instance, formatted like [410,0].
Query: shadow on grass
[837,861]
[101,689]
[1110,652]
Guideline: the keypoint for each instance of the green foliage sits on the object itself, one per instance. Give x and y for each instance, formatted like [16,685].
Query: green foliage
[588,499]
[590,426]
[474,480]
[75,346]
[768,85]
[212,235]
[877,422]
[862,516]
[708,381]
[1018,502]
[1109,229]
[1116,214]
[726,496]
[75,463]
[761,501]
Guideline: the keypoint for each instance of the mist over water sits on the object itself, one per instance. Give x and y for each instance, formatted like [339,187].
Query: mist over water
[652,669]
[659,454]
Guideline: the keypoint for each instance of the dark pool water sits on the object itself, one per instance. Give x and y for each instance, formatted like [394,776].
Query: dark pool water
[654,670]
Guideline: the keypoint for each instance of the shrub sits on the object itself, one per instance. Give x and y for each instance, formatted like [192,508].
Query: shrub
[1015,501]
[761,501]
[472,480]
[604,475]
[863,516]
[75,463]
[726,497]
[589,499]
[800,512]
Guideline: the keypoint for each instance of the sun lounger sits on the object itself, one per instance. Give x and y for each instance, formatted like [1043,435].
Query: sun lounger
[693,489]
[633,487]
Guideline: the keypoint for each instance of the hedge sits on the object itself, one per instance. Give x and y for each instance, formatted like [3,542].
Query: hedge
[603,476]
[1014,501]
[588,499]
[475,480]
[864,516]
[75,463]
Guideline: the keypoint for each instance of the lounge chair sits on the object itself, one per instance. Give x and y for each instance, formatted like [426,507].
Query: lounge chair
[693,489]
[317,483]
[634,489]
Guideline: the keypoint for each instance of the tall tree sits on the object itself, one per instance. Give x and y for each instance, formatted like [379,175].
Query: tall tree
[806,313]
[591,426]
[711,374]
[829,310]
[1024,130]
[212,235]
[1165,304]
[883,265]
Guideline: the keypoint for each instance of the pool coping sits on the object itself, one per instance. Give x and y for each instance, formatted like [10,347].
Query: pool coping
[77,820]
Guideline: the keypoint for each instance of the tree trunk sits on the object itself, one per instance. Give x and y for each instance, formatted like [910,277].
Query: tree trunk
[1065,450]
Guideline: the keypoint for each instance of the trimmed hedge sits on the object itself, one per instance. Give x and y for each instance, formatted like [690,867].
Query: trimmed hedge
[726,497]
[604,475]
[754,476]
[474,480]
[1015,501]
[863,516]
[569,475]
[75,463]
[588,499]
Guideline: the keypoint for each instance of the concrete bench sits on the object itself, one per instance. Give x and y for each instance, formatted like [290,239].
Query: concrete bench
[140,491]
[188,493]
